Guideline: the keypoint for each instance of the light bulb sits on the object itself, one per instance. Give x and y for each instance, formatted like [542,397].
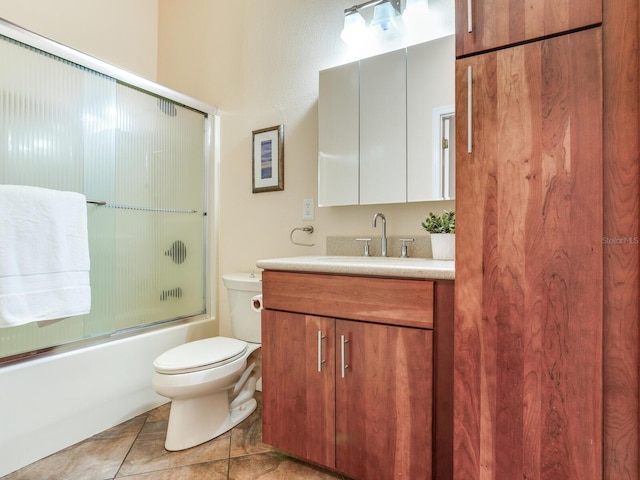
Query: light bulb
[384,19]
[354,30]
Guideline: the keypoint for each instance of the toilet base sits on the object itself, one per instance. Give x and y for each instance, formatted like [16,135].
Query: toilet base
[198,420]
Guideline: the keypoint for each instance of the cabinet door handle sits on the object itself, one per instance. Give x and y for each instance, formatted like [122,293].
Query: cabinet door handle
[470,15]
[320,360]
[343,342]
[469,109]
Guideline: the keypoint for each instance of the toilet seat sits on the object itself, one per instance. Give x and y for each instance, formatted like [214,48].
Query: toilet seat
[200,355]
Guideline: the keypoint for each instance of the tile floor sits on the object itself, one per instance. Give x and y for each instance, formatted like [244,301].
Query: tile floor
[134,450]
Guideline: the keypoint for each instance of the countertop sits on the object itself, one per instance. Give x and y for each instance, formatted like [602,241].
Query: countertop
[371,266]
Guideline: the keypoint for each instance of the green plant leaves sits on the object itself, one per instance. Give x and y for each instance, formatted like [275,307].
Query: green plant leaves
[444,223]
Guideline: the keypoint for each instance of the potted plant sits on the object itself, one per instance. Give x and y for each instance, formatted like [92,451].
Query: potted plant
[442,229]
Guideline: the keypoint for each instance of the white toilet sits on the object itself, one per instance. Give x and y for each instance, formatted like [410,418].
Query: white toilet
[210,385]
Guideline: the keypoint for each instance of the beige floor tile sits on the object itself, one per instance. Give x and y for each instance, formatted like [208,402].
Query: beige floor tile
[148,453]
[203,471]
[98,457]
[134,450]
[160,413]
[273,466]
[246,438]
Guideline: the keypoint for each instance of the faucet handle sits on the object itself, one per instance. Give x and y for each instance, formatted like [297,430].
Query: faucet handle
[366,245]
[403,248]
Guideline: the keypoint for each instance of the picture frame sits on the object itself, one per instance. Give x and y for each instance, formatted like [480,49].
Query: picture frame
[268,159]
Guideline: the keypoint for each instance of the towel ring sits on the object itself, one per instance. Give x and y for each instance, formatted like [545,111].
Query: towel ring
[308,229]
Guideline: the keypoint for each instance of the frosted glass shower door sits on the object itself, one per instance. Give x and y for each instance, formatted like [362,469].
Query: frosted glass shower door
[159,174]
[67,127]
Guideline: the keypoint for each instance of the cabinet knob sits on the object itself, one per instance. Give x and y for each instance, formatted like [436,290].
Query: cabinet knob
[366,245]
[403,248]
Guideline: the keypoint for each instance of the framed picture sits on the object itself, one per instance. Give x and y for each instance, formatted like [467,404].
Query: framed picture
[268,159]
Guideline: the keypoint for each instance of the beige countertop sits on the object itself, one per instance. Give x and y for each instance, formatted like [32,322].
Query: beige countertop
[373,266]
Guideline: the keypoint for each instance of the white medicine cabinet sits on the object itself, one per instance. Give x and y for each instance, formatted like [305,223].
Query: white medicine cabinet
[384,125]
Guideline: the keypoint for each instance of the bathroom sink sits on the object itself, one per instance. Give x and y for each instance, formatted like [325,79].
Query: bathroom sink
[381,266]
[376,260]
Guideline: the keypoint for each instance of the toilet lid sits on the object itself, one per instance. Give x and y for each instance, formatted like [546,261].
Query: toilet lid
[199,355]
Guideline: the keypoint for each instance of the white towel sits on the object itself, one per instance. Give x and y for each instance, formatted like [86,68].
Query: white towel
[44,255]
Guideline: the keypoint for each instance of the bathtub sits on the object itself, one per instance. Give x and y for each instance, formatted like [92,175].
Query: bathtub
[50,403]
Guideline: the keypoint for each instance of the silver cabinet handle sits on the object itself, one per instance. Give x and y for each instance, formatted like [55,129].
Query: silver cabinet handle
[320,360]
[343,342]
[469,109]
[470,15]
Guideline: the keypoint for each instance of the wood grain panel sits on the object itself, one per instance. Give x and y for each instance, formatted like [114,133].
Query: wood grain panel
[528,333]
[383,404]
[476,187]
[298,402]
[443,381]
[388,300]
[621,234]
[500,23]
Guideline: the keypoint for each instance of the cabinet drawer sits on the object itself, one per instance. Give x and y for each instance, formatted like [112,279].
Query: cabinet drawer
[407,302]
[491,24]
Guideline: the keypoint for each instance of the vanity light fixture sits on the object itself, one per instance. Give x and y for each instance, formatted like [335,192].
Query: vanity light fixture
[355,28]
[384,14]
[384,19]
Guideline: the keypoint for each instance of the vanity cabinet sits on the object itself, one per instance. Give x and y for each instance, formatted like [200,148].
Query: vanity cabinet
[483,25]
[349,373]
[529,267]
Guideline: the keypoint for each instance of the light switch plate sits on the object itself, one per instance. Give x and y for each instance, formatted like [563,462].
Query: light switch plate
[307,209]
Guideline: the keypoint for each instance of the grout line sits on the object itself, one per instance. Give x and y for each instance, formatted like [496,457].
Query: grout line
[229,454]
[146,419]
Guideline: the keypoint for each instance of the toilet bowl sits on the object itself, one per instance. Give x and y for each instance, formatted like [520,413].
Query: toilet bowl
[211,382]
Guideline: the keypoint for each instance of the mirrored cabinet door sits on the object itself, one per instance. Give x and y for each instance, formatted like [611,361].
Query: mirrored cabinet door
[430,120]
[383,128]
[384,125]
[338,135]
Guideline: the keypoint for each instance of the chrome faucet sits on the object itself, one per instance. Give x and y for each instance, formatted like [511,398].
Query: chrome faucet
[384,231]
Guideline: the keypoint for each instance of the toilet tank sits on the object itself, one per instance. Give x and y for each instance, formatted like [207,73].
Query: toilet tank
[245,321]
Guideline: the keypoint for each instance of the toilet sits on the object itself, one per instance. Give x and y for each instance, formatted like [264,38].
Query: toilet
[211,382]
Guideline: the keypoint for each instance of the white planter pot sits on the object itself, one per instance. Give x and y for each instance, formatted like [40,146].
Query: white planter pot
[443,246]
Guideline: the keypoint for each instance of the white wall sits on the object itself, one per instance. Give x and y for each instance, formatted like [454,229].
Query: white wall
[121,32]
[258,61]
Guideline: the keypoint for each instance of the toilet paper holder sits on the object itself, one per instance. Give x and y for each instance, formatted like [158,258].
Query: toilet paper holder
[256,303]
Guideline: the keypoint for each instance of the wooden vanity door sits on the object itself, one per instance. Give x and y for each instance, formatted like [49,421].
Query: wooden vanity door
[298,400]
[528,312]
[384,401]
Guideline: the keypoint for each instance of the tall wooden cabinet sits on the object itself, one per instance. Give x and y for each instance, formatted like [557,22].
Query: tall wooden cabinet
[622,231]
[489,24]
[546,329]
[530,264]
